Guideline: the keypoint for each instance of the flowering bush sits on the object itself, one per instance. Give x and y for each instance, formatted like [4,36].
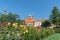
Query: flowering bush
[22,32]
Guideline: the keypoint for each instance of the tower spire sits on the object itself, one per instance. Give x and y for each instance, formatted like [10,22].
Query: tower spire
[4,10]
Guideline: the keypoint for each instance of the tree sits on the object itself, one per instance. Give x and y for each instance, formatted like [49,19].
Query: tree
[12,17]
[0,17]
[54,17]
[8,17]
[3,17]
[20,22]
[46,24]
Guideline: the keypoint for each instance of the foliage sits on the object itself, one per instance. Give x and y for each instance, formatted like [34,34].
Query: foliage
[12,17]
[46,32]
[46,24]
[9,17]
[53,37]
[55,16]
[17,32]
[20,22]
[57,30]
[3,17]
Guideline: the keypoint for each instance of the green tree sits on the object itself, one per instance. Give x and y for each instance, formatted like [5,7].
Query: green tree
[46,24]
[8,17]
[3,17]
[20,22]
[12,17]
[54,17]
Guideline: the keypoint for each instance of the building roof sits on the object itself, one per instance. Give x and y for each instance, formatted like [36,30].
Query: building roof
[40,20]
[29,19]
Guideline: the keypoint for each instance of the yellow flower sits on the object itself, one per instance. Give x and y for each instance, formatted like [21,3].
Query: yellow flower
[26,31]
[14,25]
[24,26]
[21,26]
[9,23]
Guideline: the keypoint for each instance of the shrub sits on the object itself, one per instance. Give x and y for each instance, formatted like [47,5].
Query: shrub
[53,37]
[46,32]
[25,33]
[32,34]
[57,30]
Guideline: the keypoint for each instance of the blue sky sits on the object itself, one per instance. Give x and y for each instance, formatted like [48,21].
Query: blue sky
[37,8]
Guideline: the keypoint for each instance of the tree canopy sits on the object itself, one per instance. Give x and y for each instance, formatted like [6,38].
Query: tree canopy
[46,24]
[10,17]
[55,16]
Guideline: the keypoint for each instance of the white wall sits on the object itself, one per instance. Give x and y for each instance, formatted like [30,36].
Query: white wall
[37,24]
[28,24]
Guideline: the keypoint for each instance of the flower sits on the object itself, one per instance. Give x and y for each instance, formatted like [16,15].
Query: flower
[26,31]
[14,25]
[24,26]
[21,26]
[9,23]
